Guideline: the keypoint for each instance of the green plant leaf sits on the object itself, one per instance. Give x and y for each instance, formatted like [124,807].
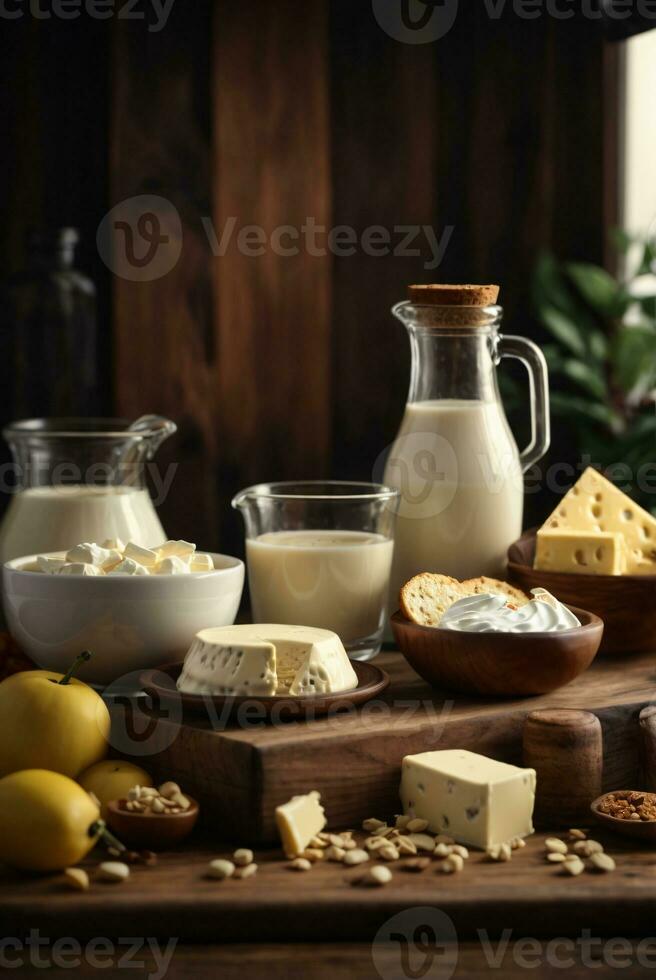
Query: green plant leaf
[586,377]
[634,357]
[573,405]
[564,329]
[597,287]
[550,288]
[598,345]
[648,258]
[622,240]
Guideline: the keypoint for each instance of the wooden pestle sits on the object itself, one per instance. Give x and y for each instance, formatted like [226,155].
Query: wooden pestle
[564,747]
[647,721]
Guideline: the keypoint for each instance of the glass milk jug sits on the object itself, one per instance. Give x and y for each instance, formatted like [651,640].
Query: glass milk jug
[455,462]
[80,480]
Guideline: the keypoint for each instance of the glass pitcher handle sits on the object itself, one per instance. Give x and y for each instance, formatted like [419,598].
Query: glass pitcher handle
[538,377]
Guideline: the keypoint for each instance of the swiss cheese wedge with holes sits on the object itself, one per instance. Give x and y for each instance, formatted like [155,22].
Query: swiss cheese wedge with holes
[595,506]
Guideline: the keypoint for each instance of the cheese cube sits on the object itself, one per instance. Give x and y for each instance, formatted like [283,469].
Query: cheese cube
[580,552]
[129,567]
[298,821]
[172,566]
[79,568]
[178,549]
[476,800]
[113,544]
[91,554]
[51,566]
[595,504]
[201,562]
[144,556]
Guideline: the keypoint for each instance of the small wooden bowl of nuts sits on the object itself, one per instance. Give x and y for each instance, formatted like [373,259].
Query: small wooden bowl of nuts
[628,812]
[155,818]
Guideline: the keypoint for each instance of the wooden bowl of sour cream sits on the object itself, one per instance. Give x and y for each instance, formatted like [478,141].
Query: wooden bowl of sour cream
[499,664]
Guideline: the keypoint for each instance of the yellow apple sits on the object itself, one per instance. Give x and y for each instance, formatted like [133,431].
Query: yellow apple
[47,821]
[111,780]
[51,721]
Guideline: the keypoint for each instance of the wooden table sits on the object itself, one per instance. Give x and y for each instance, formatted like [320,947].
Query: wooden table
[319,924]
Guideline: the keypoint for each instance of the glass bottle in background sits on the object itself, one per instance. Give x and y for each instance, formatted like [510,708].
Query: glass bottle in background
[50,332]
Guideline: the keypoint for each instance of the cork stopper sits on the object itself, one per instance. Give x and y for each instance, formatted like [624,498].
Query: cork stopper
[450,295]
[460,307]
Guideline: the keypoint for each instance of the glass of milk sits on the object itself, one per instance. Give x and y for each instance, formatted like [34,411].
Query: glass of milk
[320,554]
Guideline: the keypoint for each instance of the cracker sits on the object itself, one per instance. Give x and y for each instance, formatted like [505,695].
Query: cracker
[426,597]
[493,586]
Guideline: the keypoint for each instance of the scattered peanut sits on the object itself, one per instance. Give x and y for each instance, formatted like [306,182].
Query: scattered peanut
[452,864]
[576,834]
[242,857]
[602,862]
[313,854]
[402,821]
[459,849]
[405,845]
[416,825]
[573,866]
[585,848]
[517,843]
[113,871]
[77,878]
[318,842]
[299,864]
[388,853]
[423,842]
[220,868]
[555,857]
[356,856]
[245,871]
[444,839]
[415,864]
[372,824]
[335,853]
[555,846]
[499,852]
[378,875]
[442,850]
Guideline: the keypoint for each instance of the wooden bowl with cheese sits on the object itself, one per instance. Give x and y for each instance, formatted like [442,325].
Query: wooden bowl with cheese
[626,603]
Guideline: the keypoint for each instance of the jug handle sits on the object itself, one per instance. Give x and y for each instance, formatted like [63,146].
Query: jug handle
[159,427]
[538,377]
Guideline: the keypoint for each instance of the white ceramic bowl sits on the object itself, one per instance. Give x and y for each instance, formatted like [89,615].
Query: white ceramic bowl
[127,622]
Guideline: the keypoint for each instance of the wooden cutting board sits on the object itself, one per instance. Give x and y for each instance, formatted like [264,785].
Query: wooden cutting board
[240,775]
[176,899]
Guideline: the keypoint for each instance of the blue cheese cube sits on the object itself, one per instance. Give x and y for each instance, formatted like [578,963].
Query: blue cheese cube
[476,800]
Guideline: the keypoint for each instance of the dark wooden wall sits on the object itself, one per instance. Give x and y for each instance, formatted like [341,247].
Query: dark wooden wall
[286,367]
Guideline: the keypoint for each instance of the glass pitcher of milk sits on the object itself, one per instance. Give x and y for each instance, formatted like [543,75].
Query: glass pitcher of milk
[80,480]
[455,462]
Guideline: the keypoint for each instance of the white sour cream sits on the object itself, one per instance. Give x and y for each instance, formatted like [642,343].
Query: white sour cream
[492,614]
